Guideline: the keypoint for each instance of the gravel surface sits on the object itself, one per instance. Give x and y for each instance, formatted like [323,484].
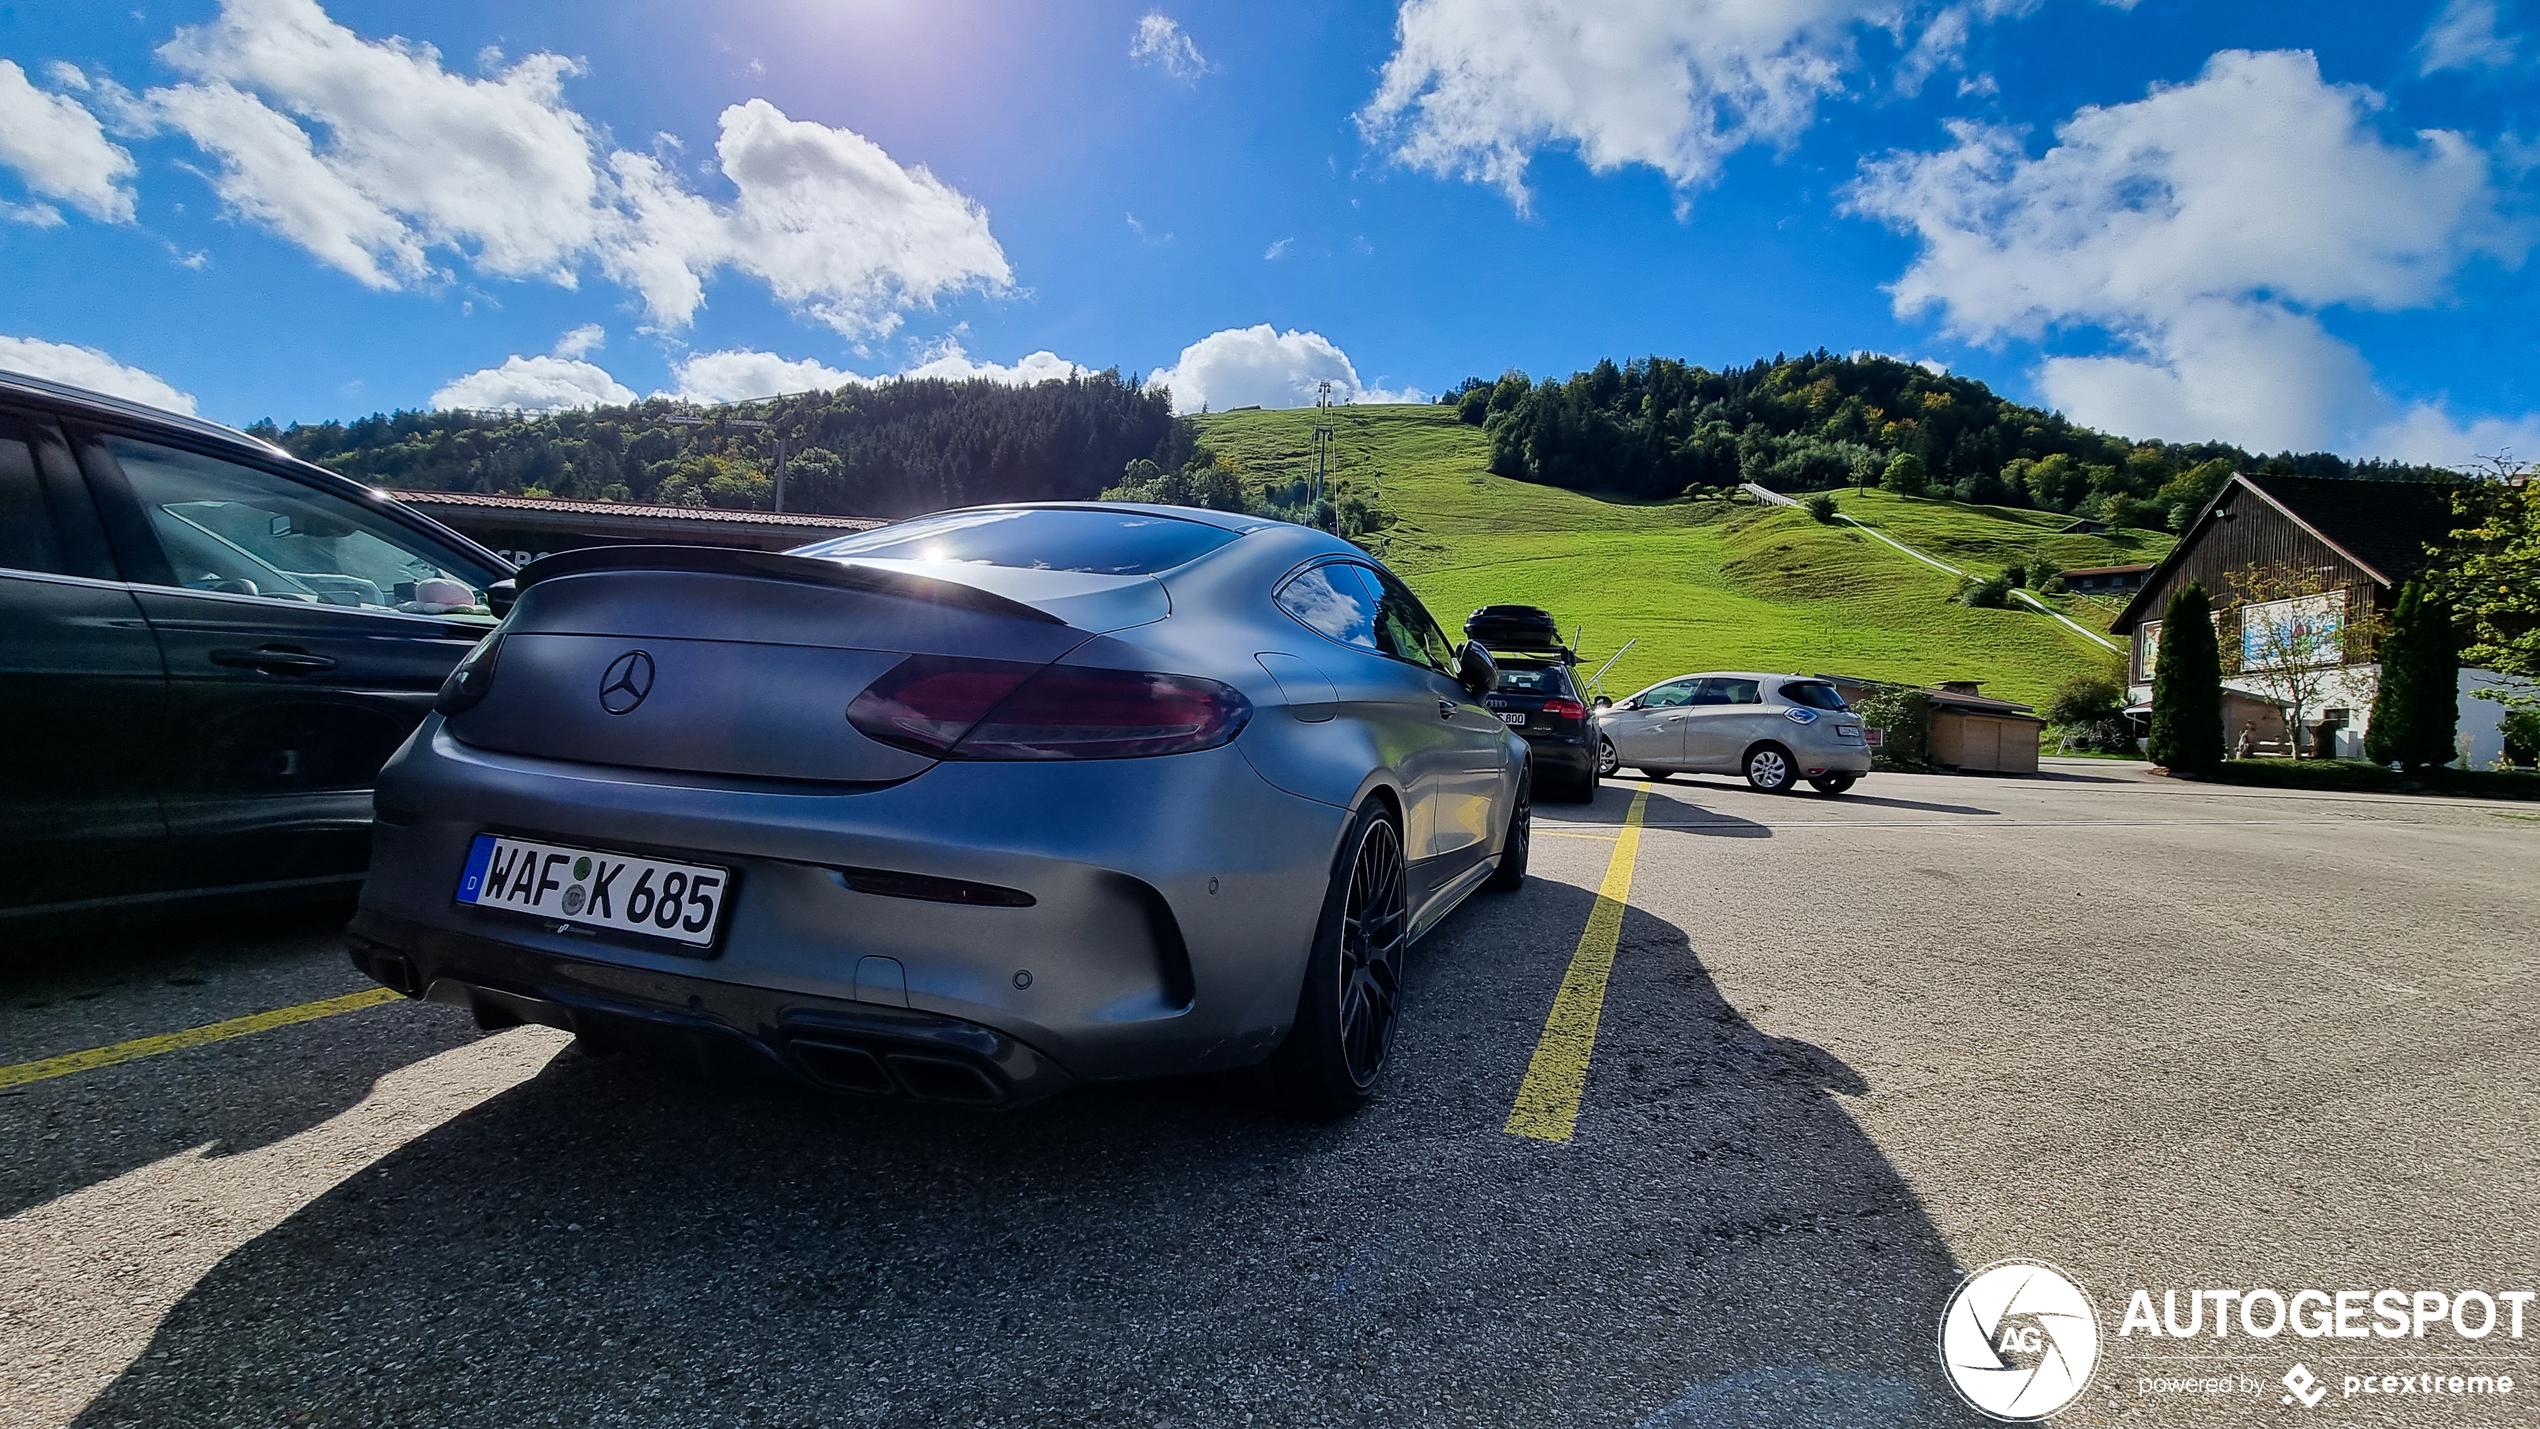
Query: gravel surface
[2160,1035]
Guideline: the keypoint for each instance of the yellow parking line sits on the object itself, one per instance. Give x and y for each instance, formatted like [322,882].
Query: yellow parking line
[95,1057]
[1547,1106]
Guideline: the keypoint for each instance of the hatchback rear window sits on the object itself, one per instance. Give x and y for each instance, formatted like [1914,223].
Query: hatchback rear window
[1543,680]
[1815,696]
[1111,543]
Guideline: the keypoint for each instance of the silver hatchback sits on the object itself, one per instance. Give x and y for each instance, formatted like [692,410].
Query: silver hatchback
[1774,729]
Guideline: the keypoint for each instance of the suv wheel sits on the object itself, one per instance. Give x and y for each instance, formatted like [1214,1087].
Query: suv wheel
[1769,770]
[1345,1012]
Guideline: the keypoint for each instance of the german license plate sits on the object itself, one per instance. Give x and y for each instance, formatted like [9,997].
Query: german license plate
[658,899]
[1512,716]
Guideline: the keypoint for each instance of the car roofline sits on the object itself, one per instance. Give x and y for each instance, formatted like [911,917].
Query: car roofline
[102,404]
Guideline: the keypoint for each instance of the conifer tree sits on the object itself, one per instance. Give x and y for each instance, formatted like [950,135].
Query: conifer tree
[2416,711]
[2187,733]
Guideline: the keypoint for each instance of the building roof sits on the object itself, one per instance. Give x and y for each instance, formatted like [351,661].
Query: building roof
[427,501]
[2106,570]
[2384,527]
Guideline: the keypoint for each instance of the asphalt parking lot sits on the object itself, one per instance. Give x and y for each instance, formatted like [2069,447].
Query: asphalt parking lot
[2159,1034]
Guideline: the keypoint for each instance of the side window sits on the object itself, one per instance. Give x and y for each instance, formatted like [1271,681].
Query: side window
[1708,692]
[1333,602]
[1404,629]
[228,527]
[27,538]
[1668,696]
[1736,692]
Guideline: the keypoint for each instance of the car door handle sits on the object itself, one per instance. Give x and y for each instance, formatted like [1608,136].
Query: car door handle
[273,660]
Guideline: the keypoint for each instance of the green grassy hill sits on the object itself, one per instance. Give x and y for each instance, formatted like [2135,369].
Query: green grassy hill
[1700,584]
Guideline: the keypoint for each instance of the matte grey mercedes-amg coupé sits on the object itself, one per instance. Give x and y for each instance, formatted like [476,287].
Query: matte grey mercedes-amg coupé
[966,808]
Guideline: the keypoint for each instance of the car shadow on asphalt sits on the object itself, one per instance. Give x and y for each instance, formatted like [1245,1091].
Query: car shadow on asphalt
[231,1096]
[615,1238]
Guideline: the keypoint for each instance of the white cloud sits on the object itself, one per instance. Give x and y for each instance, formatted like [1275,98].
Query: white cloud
[2464,36]
[582,341]
[1277,251]
[1475,87]
[1259,365]
[89,368]
[2426,433]
[738,375]
[60,151]
[2203,228]
[414,157]
[824,216]
[378,160]
[534,384]
[1160,42]
[949,362]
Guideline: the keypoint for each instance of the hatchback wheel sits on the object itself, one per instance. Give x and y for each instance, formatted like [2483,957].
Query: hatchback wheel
[1606,761]
[1832,783]
[1768,768]
[1352,996]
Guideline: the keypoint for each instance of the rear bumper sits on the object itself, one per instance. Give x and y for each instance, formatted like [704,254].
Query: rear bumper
[1568,754]
[1173,899]
[843,1046]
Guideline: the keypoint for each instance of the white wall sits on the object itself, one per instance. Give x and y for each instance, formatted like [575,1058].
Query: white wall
[2482,720]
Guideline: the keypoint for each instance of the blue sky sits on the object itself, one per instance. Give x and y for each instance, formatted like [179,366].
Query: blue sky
[2281,224]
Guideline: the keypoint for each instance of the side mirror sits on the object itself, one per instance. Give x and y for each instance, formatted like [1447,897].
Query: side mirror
[500,595]
[1605,702]
[1475,670]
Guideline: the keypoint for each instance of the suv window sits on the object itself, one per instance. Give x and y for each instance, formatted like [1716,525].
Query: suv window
[228,527]
[27,539]
[1109,543]
[1403,627]
[1333,601]
[1815,694]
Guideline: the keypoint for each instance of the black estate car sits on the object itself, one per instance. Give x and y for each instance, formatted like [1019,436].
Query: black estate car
[207,650]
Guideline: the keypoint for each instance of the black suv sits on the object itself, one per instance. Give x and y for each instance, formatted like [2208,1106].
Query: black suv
[207,650]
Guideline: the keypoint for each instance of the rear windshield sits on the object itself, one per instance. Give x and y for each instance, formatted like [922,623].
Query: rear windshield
[1111,543]
[1814,696]
[1546,680]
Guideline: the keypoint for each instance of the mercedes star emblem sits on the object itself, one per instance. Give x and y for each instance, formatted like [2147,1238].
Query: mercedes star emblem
[627,680]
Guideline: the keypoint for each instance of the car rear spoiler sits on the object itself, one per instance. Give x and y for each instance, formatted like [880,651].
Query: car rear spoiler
[763,565]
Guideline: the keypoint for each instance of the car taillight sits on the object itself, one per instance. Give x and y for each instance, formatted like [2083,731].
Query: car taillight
[472,680]
[991,709]
[1567,709]
[926,703]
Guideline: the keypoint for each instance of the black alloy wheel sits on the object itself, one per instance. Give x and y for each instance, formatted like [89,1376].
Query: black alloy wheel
[1351,997]
[1375,934]
[1520,840]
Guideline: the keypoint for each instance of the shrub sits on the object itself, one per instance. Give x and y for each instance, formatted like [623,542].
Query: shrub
[2090,710]
[1905,717]
[1905,475]
[1991,593]
[2522,736]
[1821,506]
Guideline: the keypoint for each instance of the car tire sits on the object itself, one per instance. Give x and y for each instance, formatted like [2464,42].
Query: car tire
[1658,776]
[1832,784]
[1350,1001]
[1769,769]
[1582,790]
[1518,841]
[1607,763]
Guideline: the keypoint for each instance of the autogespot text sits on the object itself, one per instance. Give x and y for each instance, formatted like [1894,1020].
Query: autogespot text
[2328,1314]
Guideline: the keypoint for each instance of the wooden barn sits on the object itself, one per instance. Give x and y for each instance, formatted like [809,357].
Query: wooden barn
[2355,542]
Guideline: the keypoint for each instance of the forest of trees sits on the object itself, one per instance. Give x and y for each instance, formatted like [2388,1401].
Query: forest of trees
[893,449]
[1653,427]
[1660,427]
